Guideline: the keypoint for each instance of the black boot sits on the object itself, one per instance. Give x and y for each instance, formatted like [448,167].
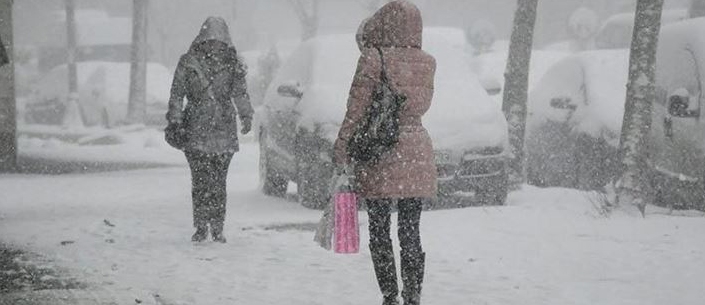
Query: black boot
[217,232]
[382,250]
[412,274]
[386,272]
[390,301]
[200,235]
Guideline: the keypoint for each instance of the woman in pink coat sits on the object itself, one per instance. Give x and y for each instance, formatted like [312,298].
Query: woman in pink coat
[407,173]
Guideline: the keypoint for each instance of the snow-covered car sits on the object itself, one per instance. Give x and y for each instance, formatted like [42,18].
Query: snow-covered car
[490,68]
[576,112]
[574,118]
[676,151]
[305,105]
[616,32]
[103,94]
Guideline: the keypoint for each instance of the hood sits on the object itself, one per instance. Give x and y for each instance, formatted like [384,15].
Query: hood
[361,36]
[397,24]
[214,28]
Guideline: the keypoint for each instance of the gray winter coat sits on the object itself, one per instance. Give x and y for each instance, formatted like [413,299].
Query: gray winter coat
[214,85]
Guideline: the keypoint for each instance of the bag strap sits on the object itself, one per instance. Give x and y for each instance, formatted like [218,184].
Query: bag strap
[384,67]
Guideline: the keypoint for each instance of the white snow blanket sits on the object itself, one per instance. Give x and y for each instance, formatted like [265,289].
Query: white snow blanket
[547,246]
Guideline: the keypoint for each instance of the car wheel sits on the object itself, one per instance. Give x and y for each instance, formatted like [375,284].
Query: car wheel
[273,183]
[313,185]
[495,194]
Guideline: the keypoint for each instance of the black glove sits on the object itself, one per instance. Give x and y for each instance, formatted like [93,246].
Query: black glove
[246,126]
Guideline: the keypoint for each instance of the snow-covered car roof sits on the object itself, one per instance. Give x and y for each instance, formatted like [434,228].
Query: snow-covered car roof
[462,115]
[111,78]
[616,32]
[490,66]
[675,40]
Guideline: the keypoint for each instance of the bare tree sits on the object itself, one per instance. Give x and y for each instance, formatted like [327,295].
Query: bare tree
[137,104]
[308,13]
[8,123]
[631,189]
[516,77]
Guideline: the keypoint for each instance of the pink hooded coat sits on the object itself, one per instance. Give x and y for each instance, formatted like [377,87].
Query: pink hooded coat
[408,170]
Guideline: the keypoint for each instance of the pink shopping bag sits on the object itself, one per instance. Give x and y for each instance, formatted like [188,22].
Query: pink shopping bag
[347,229]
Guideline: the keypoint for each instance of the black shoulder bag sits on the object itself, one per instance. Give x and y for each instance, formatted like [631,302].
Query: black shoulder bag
[378,132]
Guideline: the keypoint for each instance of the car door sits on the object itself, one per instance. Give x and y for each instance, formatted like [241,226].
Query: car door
[678,119]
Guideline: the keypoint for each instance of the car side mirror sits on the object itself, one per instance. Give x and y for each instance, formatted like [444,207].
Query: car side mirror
[563,103]
[679,105]
[290,89]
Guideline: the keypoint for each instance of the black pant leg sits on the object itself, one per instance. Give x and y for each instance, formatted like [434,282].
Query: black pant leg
[200,180]
[381,248]
[412,255]
[409,220]
[221,162]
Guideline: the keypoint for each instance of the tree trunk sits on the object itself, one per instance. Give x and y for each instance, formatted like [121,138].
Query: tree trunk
[516,88]
[72,115]
[632,187]
[8,122]
[136,108]
[697,8]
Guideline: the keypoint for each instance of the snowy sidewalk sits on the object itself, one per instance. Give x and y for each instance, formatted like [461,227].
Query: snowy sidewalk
[127,235]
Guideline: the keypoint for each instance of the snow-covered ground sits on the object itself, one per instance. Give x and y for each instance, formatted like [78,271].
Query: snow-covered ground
[131,240]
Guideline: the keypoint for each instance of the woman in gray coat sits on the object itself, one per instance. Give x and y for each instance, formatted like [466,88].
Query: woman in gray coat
[212,78]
